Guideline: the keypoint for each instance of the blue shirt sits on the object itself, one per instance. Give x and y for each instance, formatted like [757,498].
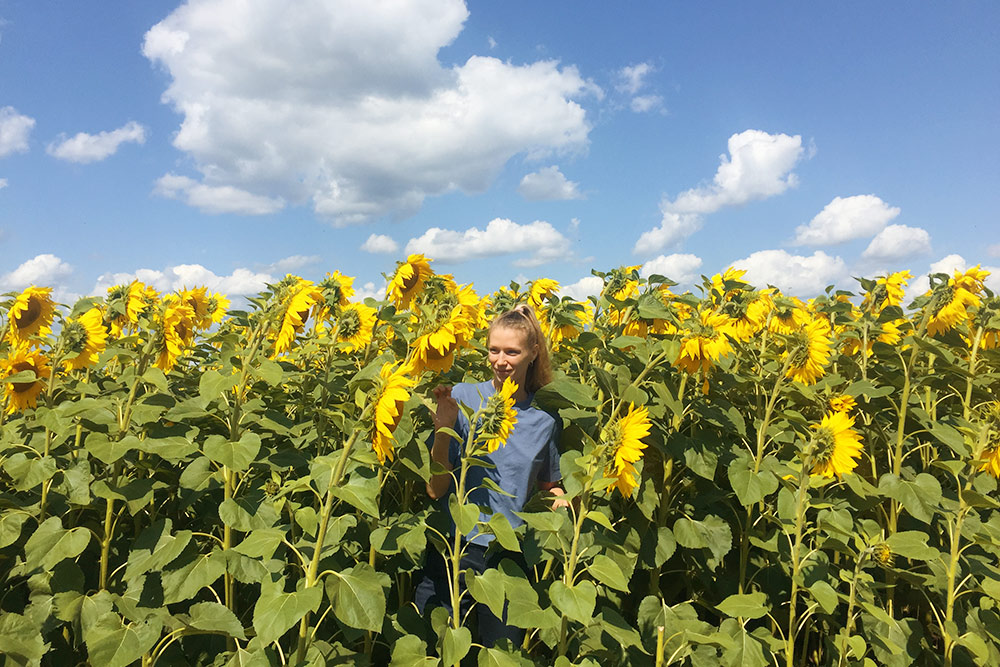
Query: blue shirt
[530,456]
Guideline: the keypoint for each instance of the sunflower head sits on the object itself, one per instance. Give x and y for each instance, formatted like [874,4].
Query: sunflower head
[541,290]
[337,290]
[622,283]
[355,326]
[498,417]
[391,394]
[704,341]
[22,395]
[887,291]
[808,351]
[83,339]
[843,403]
[882,554]
[408,280]
[835,446]
[297,299]
[624,436]
[31,315]
[989,436]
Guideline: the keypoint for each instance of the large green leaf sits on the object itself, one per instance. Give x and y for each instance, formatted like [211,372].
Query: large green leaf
[488,588]
[184,582]
[10,526]
[273,615]
[912,544]
[215,617]
[20,640]
[51,543]
[110,450]
[411,651]
[113,643]
[750,487]
[235,455]
[455,644]
[358,597]
[155,548]
[711,533]
[920,497]
[576,602]
[28,473]
[749,605]
[607,571]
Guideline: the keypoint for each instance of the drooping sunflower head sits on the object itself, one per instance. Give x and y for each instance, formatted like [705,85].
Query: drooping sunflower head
[507,298]
[989,435]
[723,286]
[23,395]
[355,326]
[621,283]
[408,280]
[625,436]
[337,290]
[704,341]
[882,554]
[498,417]
[173,332]
[142,302]
[391,394]
[809,351]
[835,446]
[541,290]
[83,339]
[887,291]
[565,319]
[788,316]
[31,315]
[297,300]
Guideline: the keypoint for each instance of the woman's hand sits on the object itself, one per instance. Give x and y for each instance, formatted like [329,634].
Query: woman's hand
[447,408]
[553,488]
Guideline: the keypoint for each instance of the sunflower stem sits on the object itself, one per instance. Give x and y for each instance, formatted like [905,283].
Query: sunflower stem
[800,514]
[967,404]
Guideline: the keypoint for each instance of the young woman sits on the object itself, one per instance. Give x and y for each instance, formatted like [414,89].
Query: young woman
[528,462]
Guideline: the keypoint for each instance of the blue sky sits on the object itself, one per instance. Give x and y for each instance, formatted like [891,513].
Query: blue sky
[208,143]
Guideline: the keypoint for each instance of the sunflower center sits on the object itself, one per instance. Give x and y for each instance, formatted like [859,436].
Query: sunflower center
[349,326]
[22,387]
[824,442]
[494,415]
[30,314]
[410,281]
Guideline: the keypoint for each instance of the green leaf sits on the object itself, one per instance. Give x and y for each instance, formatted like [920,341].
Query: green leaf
[465,516]
[666,545]
[20,640]
[749,605]
[750,487]
[275,614]
[110,450]
[268,371]
[494,657]
[155,548]
[358,597]
[826,595]
[29,473]
[185,582]
[243,658]
[10,526]
[912,544]
[51,544]
[563,393]
[411,651]
[215,617]
[500,526]
[920,497]
[455,645]
[951,437]
[576,602]
[712,533]
[605,570]
[361,491]
[113,643]
[745,651]
[488,588]
[247,514]
[212,384]
[235,455]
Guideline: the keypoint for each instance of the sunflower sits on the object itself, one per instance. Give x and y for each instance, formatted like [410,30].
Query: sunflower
[299,299]
[951,308]
[626,435]
[747,312]
[21,395]
[991,435]
[409,279]
[84,338]
[836,444]
[435,351]
[174,332]
[31,315]
[208,308]
[541,290]
[888,291]
[218,304]
[788,316]
[355,326]
[619,283]
[141,300]
[810,350]
[390,397]
[719,283]
[498,417]
[704,342]
[565,320]
[843,403]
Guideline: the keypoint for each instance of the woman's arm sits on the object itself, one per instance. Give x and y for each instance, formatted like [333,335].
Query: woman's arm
[556,490]
[444,417]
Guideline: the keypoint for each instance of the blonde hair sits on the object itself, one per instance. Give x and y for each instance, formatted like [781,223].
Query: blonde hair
[523,319]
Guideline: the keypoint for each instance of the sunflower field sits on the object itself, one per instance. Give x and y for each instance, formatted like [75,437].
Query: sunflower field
[753,479]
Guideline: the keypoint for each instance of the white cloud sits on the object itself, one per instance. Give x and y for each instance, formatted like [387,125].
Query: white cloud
[582,288]
[84,148]
[846,219]
[674,228]
[346,105]
[793,274]
[492,42]
[290,264]
[644,103]
[681,268]
[239,282]
[45,270]
[548,184]
[369,290]
[898,242]
[3,183]
[15,129]
[758,166]
[215,198]
[380,244]
[632,78]
[501,237]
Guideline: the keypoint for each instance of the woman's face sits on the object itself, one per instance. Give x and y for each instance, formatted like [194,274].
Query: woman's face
[510,355]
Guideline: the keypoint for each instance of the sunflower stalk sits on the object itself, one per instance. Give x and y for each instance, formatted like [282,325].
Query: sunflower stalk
[851,603]
[801,504]
[967,403]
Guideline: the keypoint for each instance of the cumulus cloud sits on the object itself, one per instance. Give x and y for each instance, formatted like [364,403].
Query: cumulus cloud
[3,183]
[347,107]
[674,228]
[793,274]
[84,148]
[582,288]
[548,184]
[631,80]
[44,270]
[239,282]
[215,198]
[759,165]
[369,289]
[682,268]
[644,103]
[380,244]
[540,240]
[15,129]
[845,219]
[898,242]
